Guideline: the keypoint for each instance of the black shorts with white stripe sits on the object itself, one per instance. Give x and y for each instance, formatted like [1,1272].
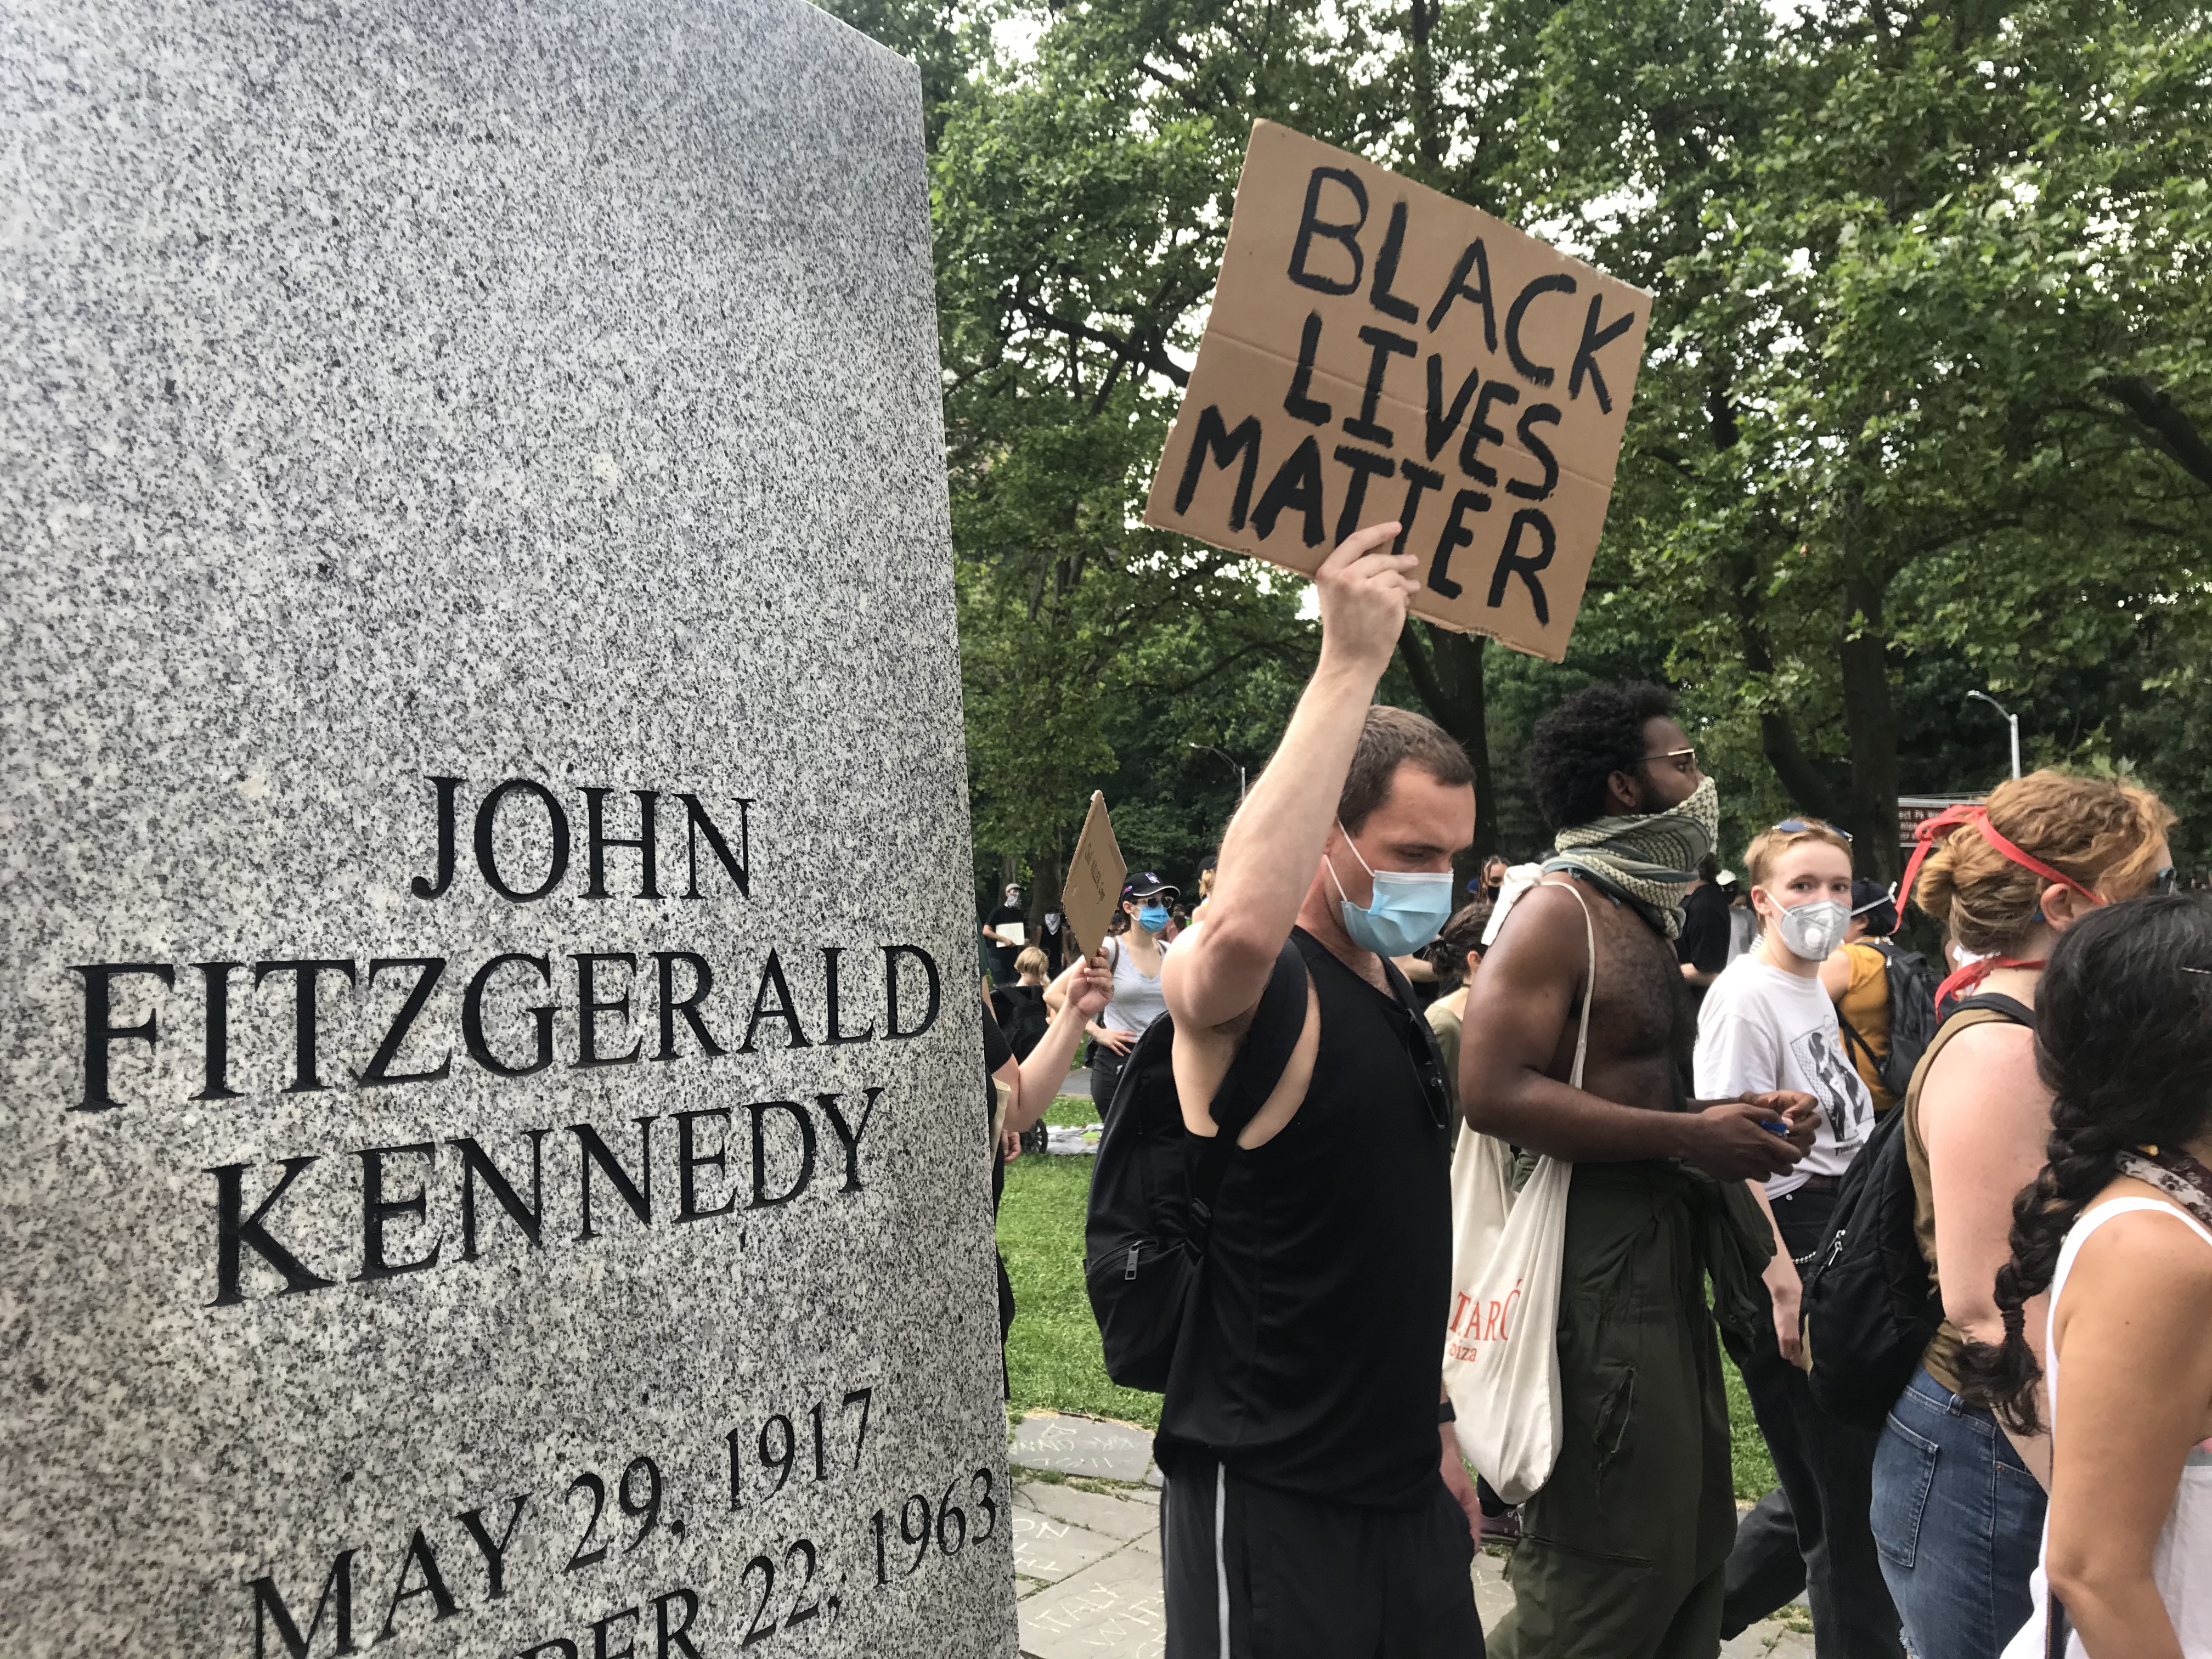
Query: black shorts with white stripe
[1256,1573]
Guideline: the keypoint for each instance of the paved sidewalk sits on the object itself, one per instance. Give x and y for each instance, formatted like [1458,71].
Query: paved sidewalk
[1087,1558]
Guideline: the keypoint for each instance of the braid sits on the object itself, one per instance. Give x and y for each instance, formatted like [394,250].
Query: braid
[2084,1158]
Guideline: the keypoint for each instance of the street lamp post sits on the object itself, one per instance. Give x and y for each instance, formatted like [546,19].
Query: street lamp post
[2011,719]
[1239,765]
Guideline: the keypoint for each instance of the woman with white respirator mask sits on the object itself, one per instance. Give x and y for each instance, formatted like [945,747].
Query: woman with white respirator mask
[1768,1024]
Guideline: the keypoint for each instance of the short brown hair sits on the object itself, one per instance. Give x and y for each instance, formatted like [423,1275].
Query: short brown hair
[2103,834]
[1769,844]
[1391,737]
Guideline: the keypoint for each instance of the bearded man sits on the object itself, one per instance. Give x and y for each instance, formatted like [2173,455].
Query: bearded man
[1623,1551]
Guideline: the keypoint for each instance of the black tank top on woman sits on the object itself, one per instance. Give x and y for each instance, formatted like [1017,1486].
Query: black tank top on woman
[1308,1359]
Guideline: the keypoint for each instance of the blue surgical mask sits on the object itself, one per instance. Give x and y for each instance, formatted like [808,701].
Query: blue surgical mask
[1409,908]
[1153,918]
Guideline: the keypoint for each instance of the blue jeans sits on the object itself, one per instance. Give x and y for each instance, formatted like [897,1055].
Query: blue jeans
[1958,1519]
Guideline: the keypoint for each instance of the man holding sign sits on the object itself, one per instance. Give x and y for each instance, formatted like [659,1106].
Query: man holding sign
[1315,1508]
[1378,351]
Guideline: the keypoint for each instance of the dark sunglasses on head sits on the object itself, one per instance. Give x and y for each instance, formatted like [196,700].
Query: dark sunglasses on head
[1799,826]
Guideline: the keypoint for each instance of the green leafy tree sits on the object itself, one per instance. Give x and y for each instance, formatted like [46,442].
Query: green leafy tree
[1925,406]
[1932,381]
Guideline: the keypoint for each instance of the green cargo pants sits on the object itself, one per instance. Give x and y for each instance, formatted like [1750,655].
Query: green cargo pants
[1622,1551]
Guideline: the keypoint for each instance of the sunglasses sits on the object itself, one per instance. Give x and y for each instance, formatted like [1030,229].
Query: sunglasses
[1799,826]
[2163,881]
[1436,1092]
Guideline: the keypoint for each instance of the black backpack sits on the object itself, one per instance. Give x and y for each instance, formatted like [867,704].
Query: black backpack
[1149,1211]
[1912,985]
[1021,1015]
[1870,1307]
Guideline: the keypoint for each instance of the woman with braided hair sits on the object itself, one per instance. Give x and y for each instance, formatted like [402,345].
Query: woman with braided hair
[1958,1506]
[2116,1233]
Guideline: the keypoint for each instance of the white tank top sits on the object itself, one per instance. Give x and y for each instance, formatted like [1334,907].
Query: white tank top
[2182,1564]
[1137,998]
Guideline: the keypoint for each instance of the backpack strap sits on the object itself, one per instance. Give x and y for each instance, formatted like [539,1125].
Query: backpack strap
[1997,1002]
[1984,1008]
[1851,1035]
[1257,1067]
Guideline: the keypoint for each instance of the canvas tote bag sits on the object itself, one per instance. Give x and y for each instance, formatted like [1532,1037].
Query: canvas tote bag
[1501,1349]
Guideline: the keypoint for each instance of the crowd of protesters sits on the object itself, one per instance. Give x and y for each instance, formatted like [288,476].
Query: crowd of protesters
[1727,1063]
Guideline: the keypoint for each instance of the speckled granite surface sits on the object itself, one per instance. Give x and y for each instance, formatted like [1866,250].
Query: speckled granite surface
[533,396]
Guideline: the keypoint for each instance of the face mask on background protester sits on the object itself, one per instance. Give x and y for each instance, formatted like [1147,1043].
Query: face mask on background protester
[1813,930]
[1153,918]
[1410,907]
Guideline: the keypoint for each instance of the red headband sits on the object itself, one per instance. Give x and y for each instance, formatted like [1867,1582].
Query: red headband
[1929,830]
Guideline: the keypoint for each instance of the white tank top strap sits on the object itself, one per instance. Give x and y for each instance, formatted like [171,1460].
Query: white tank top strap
[2078,1235]
[2097,1215]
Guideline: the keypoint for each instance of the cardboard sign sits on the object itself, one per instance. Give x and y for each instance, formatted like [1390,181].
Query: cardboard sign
[1093,892]
[1377,351]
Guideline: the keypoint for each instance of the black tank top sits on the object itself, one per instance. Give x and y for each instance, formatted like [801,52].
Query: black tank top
[1310,1356]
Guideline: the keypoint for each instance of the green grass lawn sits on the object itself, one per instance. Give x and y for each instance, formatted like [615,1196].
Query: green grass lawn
[1075,1110]
[1053,1353]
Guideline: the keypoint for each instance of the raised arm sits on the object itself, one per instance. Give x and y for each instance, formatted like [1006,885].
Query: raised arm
[1056,992]
[1086,989]
[1275,842]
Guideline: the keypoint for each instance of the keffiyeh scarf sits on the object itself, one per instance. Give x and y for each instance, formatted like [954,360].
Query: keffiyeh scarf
[1648,857]
[2177,1174]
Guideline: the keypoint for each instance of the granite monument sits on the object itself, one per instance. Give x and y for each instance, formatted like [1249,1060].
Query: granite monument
[497,1152]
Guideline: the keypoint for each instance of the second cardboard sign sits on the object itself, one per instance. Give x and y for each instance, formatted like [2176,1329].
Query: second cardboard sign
[1377,351]
[1091,895]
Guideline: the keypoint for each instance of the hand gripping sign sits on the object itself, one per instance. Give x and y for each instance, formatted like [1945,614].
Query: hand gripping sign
[1377,351]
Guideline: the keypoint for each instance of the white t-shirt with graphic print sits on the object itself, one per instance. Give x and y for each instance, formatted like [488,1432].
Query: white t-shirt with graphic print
[1762,1029]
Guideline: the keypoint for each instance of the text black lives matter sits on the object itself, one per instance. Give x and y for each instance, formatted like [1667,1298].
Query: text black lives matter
[1329,257]
[677,1000]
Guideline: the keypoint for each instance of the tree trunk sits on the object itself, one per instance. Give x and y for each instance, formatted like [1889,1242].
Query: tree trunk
[1428,126]
[1045,879]
[1778,737]
[1870,723]
[1448,673]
